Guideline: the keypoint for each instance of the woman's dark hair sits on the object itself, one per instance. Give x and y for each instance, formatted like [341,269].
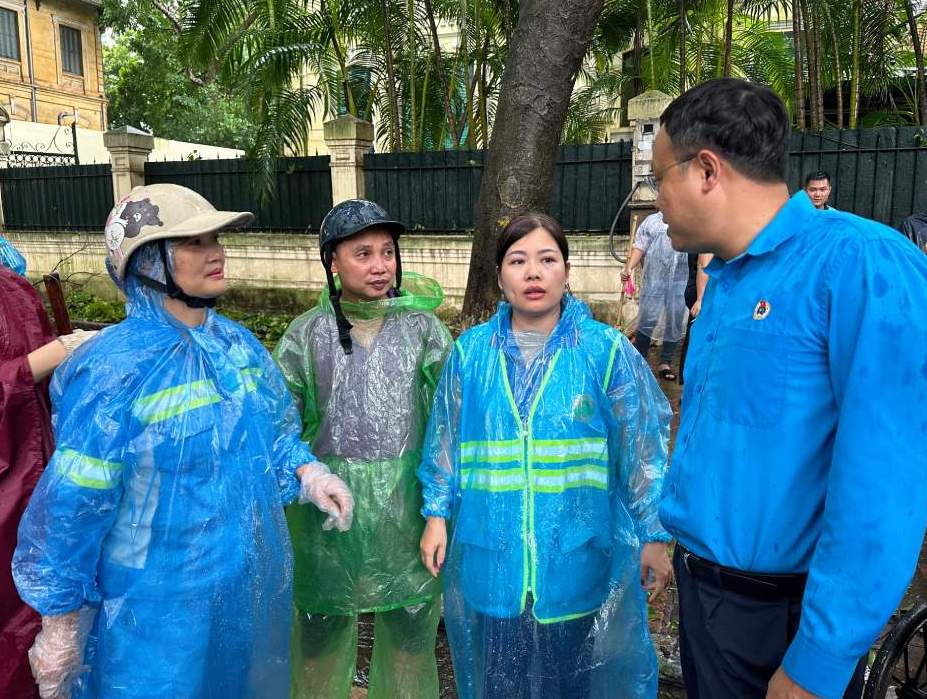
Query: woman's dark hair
[746,123]
[520,226]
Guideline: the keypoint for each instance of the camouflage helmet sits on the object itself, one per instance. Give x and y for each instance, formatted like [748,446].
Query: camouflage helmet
[351,217]
[157,212]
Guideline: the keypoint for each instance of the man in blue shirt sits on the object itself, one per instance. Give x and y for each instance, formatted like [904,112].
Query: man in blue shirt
[797,490]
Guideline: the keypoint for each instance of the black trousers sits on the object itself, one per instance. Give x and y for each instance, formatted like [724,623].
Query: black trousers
[731,644]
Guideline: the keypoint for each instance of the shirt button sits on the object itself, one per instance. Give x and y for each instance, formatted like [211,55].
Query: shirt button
[710,337]
[700,388]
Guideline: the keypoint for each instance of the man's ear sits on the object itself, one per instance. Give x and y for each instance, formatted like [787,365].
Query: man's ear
[334,263]
[711,168]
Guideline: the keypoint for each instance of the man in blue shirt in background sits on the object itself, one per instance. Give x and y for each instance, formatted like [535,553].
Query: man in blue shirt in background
[797,491]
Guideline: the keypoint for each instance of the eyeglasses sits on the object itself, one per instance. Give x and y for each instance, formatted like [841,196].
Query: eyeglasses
[654,182]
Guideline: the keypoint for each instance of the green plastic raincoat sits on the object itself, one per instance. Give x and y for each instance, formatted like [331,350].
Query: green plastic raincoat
[365,414]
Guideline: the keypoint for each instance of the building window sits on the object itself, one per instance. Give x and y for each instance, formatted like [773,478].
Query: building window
[71,60]
[9,34]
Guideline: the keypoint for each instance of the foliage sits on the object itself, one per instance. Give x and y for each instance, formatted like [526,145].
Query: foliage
[267,327]
[148,86]
[92,309]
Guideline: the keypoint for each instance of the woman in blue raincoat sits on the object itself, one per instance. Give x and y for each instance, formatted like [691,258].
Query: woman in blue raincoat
[545,451]
[158,525]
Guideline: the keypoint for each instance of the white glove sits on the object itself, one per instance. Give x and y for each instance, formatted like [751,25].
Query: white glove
[76,339]
[329,493]
[55,656]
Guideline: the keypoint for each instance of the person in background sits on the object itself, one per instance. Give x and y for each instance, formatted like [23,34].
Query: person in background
[797,494]
[542,468]
[695,292]
[662,300]
[817,187]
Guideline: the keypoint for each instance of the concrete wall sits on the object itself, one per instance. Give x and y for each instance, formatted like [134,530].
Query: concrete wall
[276,270]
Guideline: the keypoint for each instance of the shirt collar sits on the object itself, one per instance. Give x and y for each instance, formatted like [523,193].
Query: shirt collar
[786,223]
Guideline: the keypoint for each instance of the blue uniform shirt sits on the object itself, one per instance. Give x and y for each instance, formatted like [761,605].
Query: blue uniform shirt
[803,436]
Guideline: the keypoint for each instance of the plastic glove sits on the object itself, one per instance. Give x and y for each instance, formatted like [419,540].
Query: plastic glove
[56,655]
[76,339]
[329,493]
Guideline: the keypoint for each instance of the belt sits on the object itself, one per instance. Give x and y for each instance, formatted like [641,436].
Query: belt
[762,586]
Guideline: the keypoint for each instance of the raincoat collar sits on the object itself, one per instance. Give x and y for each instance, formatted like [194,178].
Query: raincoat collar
[572,313]
[418,293]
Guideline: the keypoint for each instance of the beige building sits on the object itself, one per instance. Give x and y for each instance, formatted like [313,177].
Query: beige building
[51,62]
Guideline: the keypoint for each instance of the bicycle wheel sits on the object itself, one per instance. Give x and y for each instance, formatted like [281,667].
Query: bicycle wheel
[900,667]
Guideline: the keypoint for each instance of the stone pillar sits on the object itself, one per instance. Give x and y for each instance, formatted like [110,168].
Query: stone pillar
[4,157]
[644,114]
[348,139]
[129,149]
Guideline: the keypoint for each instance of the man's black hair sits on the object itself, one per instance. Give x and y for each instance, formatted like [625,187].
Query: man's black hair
[816,175]
[747,124]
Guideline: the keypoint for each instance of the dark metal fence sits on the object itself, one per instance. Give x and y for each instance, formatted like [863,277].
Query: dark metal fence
[302,197]
[437,191]
[877,173]
[61,198]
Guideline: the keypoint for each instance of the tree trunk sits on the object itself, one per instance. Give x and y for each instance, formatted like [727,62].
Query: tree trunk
[682,46]
[854,69]
[810,50]
[547,49]
[442,74]
[342,64]
[728,38]
[799,67]
[412,143]
[837,68]
[394,129]
[919,60]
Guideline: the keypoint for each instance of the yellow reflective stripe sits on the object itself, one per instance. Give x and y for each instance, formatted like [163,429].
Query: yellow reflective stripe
[491,451]
[556,480]
[249,376]
[492,480]
[170,402]
[86,471]
[553,451]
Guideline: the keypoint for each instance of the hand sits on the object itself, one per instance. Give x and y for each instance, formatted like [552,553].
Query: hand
[76,339]
[329,493]
[696,309]
[655,560]
[625,274]
[56,655]
[781,686]
[434,545]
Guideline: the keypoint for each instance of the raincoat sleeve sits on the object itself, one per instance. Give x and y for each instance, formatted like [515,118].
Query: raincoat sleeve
[644,234]
[439,471]
[289,450]
[642,426]
[75,503]
[292,356]
[438,343]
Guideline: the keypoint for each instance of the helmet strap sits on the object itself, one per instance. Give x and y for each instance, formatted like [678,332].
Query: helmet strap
[171,289]
[334,294]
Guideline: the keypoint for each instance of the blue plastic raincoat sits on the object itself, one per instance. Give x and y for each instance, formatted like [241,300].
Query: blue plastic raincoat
[550,474]
[162,509]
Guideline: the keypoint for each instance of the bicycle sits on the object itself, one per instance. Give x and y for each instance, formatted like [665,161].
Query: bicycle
[900,667]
